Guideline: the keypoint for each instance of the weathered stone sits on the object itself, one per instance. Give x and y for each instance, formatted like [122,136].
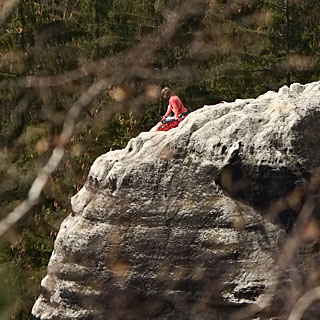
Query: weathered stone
[174,226]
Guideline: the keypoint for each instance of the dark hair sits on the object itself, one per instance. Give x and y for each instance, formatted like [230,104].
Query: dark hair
[166,92]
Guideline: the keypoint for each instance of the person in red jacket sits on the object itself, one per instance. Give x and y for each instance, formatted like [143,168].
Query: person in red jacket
[176,110]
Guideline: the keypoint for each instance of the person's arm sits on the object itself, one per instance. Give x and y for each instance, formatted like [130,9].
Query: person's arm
[168,112]
[175,103]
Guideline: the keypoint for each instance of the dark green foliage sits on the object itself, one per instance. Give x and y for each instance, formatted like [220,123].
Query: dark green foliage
[231,49]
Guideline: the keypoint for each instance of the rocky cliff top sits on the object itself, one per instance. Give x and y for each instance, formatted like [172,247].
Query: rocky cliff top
[188,224]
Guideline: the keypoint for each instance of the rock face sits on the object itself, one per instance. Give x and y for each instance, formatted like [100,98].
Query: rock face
[187,224]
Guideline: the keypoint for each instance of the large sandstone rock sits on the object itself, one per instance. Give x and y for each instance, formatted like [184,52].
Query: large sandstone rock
[187,224]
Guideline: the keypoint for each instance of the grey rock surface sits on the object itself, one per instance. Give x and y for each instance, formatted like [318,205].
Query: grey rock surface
[186,224]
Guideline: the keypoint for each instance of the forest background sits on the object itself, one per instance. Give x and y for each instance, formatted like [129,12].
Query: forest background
[83,77]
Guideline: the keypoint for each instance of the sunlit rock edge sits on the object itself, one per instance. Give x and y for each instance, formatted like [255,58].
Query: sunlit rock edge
[188,224]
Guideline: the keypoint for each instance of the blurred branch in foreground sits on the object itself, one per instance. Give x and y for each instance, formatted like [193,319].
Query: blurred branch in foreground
[303,303]
[6,7]
[55,159]
[79,78]
[117,68]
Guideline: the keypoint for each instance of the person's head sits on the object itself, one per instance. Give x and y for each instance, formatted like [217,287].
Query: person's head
[166,93]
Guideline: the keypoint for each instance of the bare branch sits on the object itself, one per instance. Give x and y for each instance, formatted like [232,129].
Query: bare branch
[303,303]
[113,70]
[6,8]
[55,159]
[285,258]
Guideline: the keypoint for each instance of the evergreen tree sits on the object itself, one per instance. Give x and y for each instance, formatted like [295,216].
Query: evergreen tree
[220,50]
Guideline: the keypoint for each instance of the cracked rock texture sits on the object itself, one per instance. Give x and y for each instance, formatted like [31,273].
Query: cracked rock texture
[187,224]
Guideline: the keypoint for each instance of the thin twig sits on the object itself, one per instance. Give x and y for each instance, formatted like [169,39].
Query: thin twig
[6,8]
[137,56]
[55,158]
[304,303]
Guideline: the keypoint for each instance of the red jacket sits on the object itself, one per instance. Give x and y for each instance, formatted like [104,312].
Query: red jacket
[175,105]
